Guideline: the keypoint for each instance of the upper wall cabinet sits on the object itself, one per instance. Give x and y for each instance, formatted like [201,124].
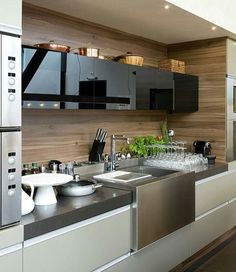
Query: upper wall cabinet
[163,90]
[69,81]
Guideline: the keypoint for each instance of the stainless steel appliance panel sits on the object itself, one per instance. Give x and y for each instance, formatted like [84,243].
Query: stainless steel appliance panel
[163,206]
[10,81]
[231,119]
[10,177]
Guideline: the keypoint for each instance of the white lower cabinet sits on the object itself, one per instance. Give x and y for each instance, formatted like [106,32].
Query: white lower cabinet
[81,247]
[160,256]
[209,227]
[232,212]
[11,259]
[11,240]
[211,192]
[214,213]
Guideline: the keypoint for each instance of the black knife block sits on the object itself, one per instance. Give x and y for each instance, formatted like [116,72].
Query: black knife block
[95,154]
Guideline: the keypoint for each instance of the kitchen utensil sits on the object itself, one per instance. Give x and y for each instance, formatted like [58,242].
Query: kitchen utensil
[79,188]
[100,131]
[54,47]
[89,52]
[97,134]
[130,58]
[104,135]
[95,154]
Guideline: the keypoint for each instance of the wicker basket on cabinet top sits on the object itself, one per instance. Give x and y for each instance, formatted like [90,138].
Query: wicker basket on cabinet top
[172,65]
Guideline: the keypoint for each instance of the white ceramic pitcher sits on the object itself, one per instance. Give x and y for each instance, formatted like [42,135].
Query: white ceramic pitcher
[27,203]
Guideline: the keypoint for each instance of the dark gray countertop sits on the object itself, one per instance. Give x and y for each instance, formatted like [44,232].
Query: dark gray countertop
[211,170]
[70,210]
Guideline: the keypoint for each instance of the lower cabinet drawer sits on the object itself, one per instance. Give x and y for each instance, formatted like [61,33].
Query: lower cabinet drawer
[209,227]
[11,262]
[211,193]
[83,248]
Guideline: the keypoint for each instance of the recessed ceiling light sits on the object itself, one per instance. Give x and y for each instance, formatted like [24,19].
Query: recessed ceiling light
[213,27]
[41,104]
[167,6]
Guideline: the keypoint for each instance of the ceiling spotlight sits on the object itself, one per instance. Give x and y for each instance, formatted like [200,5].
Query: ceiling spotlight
[29,105]
[41,105]
[167,6]
[213,27]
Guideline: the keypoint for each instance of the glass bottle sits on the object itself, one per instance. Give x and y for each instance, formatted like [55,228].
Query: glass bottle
[34,169]
[26,169]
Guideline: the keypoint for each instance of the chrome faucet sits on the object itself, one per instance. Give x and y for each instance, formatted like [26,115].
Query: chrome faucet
[115,138]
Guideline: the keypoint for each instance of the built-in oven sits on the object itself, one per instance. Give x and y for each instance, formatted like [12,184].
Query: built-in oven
[10,129]
[231,118]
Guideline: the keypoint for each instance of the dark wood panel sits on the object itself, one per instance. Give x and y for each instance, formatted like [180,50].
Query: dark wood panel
[207,59]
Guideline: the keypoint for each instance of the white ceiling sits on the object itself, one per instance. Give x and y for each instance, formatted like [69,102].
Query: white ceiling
[146,18]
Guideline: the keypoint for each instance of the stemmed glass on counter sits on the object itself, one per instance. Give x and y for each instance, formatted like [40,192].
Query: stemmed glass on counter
[174,156]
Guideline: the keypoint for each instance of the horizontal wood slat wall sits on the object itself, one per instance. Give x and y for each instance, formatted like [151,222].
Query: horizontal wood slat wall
[68,135]
[207,59]
[41,25]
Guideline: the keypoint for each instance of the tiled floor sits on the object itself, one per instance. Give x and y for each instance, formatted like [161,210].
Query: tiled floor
[223,261]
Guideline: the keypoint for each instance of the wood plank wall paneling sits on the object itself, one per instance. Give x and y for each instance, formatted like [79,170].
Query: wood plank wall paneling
[68,135]
[42,25]
[207,59]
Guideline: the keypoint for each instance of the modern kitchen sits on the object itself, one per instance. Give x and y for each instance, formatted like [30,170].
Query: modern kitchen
[117,134]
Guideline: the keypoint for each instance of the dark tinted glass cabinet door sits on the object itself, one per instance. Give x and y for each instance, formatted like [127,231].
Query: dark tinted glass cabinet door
[116,76]
[185,93]
[79,80]
[152,86]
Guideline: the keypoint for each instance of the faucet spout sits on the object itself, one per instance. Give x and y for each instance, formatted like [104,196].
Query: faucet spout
[115,138]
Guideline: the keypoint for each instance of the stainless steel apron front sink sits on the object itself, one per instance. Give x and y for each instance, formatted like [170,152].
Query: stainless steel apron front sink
[163,200]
